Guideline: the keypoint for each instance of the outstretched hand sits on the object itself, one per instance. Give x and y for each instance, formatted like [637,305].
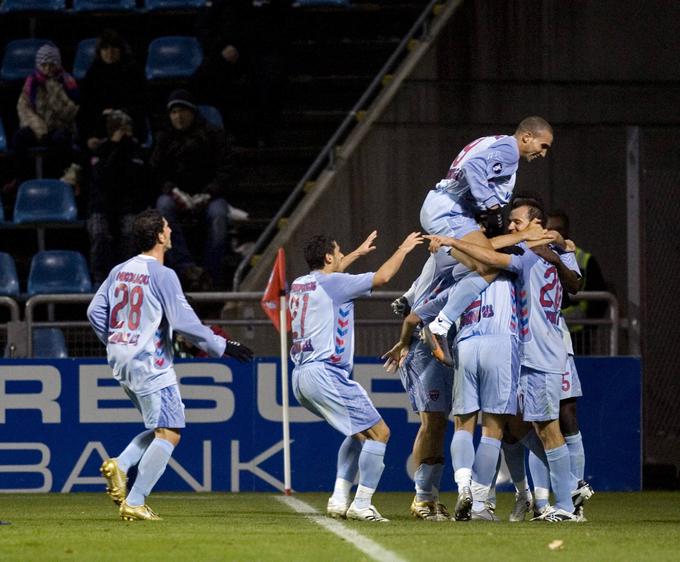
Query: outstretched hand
[238,351]
[394,358]
[411,241]
[367,246]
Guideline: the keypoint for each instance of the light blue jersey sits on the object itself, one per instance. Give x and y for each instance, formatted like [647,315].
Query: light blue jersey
[134,313]
[322,309]
[482,176]
[539,297]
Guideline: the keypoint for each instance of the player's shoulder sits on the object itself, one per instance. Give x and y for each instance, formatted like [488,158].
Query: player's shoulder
[506,147]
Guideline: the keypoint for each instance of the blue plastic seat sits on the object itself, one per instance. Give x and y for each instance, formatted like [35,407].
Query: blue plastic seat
[59,271]
[49,343]
[32,6]
[158,5]
[9,281]
[3,138]
[45,201]
[19,59]
[104,5]
[212,115]
[173,57]
[84,57]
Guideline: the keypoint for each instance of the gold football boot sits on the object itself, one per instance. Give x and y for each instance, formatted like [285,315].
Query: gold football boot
[427,511]
[442,512]
[116,480]
[137,513]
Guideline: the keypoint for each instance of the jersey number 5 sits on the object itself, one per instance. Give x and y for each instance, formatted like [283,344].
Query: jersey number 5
[135,298]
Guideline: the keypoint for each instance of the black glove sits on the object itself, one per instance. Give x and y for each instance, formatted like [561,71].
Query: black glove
[401,307]
[495,222]
[238,351]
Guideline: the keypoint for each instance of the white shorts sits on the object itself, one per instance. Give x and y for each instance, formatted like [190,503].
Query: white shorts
[329,393]
[442,214]
[427,381]
[571,384]
[487,372]
[163,408]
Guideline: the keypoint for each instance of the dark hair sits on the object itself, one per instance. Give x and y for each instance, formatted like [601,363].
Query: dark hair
[110,38]
[146,228]
[536,209]
[562,215]
[316,249]
[534,125]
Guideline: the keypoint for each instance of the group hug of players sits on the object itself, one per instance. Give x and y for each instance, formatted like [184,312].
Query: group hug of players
[482,333]
[503,351]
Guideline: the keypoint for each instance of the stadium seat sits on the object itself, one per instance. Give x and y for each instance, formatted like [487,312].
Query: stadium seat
[3,138]
[45,201]
[32,6]
[19,59]
[58,271]
[84,58]
[9,281]
[104,5]
[212,115]
[158,5]
[173,57]
[49,343]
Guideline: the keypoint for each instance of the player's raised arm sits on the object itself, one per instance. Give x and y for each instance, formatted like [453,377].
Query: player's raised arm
[366,247]
[392,265]
[487,256]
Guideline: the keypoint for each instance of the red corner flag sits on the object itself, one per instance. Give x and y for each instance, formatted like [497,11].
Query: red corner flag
[276,287]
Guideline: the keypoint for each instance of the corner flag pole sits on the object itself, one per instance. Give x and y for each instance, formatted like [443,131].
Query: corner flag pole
[284,393]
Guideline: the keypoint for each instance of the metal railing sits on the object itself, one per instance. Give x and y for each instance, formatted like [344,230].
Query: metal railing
[377,328]
[327,157]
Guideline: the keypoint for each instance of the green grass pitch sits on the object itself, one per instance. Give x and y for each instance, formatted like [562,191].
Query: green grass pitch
[622,526]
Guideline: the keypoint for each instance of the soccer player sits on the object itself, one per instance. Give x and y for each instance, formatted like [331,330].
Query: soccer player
[480,180]
[134,313]
[322,308]
[543,355]
[429,386]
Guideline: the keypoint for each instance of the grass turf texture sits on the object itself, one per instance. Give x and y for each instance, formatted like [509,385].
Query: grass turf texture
[622,526]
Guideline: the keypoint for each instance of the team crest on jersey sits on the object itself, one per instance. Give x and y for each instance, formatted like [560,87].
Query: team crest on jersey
[497,168]
[434,395]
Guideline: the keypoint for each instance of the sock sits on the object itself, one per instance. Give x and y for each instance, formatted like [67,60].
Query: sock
[348,466]
[541,497]
[491,496]
[561,478]
[577,456]
[462,457]
[437,471]
[370,470]
[460,297]
[514,458]
[423,482]
[151,467]
[134,451]
[486,459]
[540,475]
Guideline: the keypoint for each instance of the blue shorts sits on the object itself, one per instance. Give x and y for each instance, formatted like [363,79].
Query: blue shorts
[539,394]
[163,408]
[571,384]
[329,393]
[441,214]
[487,372]
[427,381]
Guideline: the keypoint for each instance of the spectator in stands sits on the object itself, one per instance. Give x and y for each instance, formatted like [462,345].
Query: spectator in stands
[113,81]
[193,167]
[246,45]
[118,192]
[592,280]
[47,110]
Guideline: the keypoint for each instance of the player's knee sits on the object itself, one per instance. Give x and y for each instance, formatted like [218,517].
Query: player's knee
[173,436]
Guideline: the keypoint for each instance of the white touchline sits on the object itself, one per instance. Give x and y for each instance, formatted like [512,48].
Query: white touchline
[364,544]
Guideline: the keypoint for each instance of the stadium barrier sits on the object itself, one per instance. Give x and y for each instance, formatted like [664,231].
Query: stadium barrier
[60,418]
[254,328]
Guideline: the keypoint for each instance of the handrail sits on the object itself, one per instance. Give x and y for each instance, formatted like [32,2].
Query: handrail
[328,151]
[613,315]
[13,306]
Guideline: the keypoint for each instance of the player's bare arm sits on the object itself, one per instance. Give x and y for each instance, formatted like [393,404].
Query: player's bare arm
[396,355]
[487,256]
[366,247]
[392,265]
[570,280]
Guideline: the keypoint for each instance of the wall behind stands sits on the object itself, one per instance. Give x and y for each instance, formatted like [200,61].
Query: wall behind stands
[59,419]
